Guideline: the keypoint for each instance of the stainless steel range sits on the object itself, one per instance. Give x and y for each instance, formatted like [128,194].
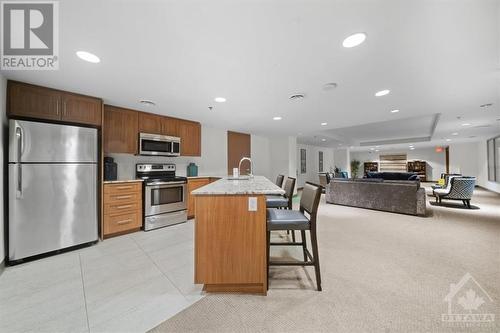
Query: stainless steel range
[164,195]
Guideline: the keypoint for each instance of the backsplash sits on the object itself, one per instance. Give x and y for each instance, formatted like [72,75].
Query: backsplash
[126,165]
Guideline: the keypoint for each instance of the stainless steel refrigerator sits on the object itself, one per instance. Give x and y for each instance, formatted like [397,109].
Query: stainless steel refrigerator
[52,187]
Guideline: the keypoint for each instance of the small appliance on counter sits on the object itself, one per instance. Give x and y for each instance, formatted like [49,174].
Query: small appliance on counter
[165,195]
[110,169]
[192,170]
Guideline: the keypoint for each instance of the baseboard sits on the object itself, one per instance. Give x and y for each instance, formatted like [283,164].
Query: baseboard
[2,266]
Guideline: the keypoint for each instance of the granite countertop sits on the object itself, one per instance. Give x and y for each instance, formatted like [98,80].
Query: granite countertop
[255,185]
[122,181]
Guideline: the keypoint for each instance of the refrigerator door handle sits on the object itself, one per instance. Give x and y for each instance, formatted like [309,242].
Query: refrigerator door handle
[20,147]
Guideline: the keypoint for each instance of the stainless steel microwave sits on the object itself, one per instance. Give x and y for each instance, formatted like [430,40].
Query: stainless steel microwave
[159,145]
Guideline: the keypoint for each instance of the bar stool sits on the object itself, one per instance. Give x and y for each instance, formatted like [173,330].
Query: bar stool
[285,201]
[279,180]
[281,219]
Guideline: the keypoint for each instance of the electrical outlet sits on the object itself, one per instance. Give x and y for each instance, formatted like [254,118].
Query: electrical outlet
[252,204]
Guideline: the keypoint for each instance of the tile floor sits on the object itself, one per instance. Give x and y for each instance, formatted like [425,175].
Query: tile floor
[129,283]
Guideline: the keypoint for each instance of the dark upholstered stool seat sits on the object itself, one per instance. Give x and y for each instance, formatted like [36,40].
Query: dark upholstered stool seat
[284,219]
[276,201]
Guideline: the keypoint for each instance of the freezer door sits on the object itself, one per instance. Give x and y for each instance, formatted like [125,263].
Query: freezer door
[51,207]
[48,143]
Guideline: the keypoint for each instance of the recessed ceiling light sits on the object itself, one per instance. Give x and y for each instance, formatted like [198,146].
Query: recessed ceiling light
[330,86]
[382,92]
[372,148]
[487,105]
[454,133]
[354,40]
[412,148]
[465,124]
[87,56]
[395,111]
[448,140]
[324,124]
[277,118]
[296,97]
[147,102]
[323,140]
[377,149]
[219,99]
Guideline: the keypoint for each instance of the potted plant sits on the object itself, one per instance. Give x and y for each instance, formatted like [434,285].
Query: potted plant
[355,168]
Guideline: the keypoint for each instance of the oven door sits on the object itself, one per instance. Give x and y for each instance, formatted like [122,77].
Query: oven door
[164,197]
[155,146]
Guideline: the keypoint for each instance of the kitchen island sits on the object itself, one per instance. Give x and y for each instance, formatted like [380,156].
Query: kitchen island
[230,234]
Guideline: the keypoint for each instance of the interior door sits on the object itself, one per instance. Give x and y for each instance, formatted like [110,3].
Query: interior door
[238,146]
[51,206]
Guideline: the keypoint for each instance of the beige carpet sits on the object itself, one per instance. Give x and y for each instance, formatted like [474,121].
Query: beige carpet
[381,272]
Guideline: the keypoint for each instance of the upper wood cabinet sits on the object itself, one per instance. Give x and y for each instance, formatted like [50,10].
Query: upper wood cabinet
[150,123]
[81,109]
[120,130]
[190,134]
[25,100]
[30,101]
[170,126]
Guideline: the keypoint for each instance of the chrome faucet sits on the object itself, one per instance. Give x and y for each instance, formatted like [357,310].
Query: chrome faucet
[251,166]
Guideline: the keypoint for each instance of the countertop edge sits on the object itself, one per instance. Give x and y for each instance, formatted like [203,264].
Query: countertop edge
[122,181]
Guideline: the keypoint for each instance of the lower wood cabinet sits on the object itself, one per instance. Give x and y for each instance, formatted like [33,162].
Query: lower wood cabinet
[122,208]
[193,184]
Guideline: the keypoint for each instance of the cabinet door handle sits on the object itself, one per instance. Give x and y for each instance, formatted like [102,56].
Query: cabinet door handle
[121,197]
[64,108]
[124,221]
[123,207]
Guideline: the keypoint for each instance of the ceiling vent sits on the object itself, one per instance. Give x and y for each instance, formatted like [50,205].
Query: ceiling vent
[296,97]
[147,102]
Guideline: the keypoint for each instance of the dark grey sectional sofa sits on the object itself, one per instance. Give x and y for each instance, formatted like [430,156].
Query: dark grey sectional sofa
[397,196]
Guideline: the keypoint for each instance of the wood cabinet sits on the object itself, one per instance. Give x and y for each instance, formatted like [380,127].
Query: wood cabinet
[170,126]
[150,123]
[190,134]
[120,130]
[230,244]
[193,184]
[370,167]
[122,208]
[419,167]
[81,109]
[30,101]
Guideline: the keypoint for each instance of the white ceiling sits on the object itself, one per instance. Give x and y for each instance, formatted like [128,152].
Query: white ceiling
[435,57]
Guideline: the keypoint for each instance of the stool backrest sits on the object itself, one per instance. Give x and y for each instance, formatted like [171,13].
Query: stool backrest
[309,201]
[279,180]
[289,187]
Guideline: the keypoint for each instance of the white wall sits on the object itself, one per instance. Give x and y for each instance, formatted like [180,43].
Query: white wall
[213,160]
[482,168]
[342,158]
[3,147]
[436,162]
[464,158]
[260,151]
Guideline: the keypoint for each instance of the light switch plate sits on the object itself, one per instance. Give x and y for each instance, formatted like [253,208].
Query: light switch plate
[252,204]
